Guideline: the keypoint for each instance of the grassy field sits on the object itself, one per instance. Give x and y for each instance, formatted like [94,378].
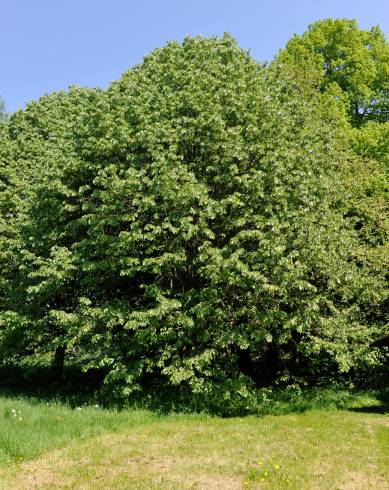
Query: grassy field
[51,445]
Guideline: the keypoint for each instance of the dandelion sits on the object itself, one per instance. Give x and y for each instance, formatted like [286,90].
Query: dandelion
[260,462]
[277,466]
[96,406]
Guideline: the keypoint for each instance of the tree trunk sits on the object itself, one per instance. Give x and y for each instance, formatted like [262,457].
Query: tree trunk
[381,342]
[58,362]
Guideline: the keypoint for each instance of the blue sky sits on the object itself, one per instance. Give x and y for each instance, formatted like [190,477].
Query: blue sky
[47,45]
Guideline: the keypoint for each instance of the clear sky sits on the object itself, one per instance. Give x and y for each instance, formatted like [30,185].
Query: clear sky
[47,45]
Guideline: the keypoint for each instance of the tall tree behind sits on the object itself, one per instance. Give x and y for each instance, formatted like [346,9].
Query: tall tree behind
[351,62]
[344,71]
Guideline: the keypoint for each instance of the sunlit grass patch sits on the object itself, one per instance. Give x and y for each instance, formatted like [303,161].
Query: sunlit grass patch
[55,446]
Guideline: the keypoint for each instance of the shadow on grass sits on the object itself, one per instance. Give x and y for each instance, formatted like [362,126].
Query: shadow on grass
[38,384]
[77,388]
[382,397]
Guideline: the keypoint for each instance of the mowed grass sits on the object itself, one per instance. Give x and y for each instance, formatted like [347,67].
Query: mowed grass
[54,446]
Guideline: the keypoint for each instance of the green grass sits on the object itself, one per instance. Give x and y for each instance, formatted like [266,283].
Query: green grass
[29,428]
[327,440]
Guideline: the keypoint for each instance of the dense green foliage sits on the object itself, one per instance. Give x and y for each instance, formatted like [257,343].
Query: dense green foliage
[342,59]
[344,71]
[185,228]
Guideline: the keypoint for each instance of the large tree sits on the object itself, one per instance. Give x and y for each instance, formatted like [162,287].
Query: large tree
[184,227]
[349,62]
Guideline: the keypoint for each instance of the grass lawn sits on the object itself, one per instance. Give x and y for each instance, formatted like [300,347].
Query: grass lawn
[54,446]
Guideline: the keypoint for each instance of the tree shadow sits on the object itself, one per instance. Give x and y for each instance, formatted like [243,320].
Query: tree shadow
[41,385]
[77,388]
[382,397]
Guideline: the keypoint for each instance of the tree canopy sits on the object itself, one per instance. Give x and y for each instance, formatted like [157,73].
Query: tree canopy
[349,62]
[184,228]
[343,71]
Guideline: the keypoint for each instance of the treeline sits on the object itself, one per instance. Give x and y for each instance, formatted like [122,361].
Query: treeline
[207,224]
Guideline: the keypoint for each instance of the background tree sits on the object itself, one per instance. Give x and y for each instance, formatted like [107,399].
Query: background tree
[35,145]
[353,63]
[344,72]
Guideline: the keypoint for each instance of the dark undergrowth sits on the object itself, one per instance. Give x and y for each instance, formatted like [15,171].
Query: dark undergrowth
[77,388]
